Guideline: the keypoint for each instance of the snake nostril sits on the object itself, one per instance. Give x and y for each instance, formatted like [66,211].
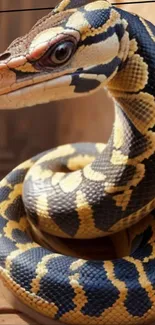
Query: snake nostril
[5,56]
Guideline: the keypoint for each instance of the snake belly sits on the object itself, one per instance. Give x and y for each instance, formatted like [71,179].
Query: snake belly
[84,191]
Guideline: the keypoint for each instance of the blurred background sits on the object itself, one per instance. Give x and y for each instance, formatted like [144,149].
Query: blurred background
[24,133]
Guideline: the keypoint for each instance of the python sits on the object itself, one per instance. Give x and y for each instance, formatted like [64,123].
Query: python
[73,51]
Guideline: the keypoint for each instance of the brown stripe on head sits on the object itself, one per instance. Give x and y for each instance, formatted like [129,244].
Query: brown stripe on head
[22,44]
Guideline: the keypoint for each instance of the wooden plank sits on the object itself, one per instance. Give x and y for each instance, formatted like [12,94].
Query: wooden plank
[22,314]
[9,316]
[14,4]
[16,319]
[145,10]
[4,305]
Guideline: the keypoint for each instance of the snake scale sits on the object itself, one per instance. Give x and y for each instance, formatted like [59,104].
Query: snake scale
[83,191]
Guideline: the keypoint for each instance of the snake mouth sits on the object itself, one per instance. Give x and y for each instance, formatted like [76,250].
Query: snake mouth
[58,88]
[41,92]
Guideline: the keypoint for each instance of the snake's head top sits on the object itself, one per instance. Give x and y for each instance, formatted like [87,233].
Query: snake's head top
[70,52]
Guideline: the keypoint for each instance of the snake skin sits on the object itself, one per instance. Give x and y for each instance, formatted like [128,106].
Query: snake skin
[84,191]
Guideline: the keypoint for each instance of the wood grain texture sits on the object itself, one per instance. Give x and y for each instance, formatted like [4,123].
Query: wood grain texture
[16,319]
[143,9]
[10,316]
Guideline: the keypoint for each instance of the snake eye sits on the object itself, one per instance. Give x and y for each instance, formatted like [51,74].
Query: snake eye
[57,55]
[62,52]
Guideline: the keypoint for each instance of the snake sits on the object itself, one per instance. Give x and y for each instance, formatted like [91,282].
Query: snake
[83,191]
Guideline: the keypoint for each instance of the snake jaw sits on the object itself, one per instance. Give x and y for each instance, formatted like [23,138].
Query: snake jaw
[37,93]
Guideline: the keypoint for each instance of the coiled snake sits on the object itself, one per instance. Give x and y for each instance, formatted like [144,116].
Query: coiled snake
[79,47]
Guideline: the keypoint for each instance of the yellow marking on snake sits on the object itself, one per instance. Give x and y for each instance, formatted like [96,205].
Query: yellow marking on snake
[56,178]
[44,37]
[134,77]
[61,151]
[137,112]
[133,218]
[100,5]
[118,135]
[32,300]
[11,225]
[92,175]
[142,279]
[22,248]
[109,268]
[122,200]
[92,76]
[41,271]
[118,158]
[75,265]
[10,199]
[79,161]
[80,298]
[39,173]
[71,182]
[148,29]
[44,220]
[77,20]
[133,47]
[85,215]
[84,52]
[100,147]
[62,6]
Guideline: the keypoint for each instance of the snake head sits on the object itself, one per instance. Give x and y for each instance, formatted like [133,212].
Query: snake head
[71,52]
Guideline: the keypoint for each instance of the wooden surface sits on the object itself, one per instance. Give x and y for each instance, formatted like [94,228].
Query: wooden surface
[12,316]
[24,133]
[9,316]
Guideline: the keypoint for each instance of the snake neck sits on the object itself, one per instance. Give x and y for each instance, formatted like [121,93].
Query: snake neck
[133,87]
[121,178]
[134,91]
[128,162]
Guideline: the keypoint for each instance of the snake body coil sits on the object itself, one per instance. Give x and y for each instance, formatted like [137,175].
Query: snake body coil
[84,191]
